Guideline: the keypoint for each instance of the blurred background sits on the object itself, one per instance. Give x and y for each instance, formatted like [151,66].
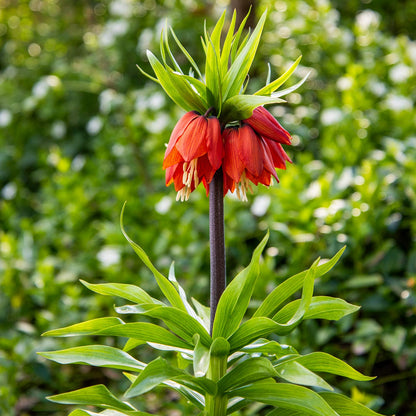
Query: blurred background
[81,131]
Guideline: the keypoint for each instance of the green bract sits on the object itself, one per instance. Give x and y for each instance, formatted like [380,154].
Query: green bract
[222,86]
[221,374]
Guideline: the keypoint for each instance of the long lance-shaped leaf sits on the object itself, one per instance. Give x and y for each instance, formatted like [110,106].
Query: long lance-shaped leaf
[159,371]
[286,289]
[165,286]
[286,396]
[164,42]
[326,363]
[182,294]
[321,307]
[166,82]
[236,297]
[273,348]
[259,327]
[181,323]
[344,406]
[239,69]
[245,373]
[235,404]
[176,87]
[147,75]
[84,328]
[273,86]
[122,290]
[296,373]
[201,357]
[286,91]
[97,395]
[240,107]
[95,355]
[236,38]
[186,53]
[213,75]
[147,332]
[226,48]
[108,412]
[191,395]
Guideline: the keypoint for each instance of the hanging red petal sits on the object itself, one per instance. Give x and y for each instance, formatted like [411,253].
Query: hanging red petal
[267,126]
[179,129]
[193,142]
[250,150]
[214,143]
[233,166]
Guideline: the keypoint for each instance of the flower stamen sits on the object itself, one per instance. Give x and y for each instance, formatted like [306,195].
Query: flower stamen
[190,174]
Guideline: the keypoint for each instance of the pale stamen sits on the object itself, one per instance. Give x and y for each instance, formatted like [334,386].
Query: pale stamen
[190,174]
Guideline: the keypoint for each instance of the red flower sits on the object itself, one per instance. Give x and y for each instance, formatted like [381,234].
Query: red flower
[194,153]
[250,157]
[267,126]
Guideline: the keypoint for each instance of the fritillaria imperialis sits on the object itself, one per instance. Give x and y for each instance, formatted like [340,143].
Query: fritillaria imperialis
[223,126]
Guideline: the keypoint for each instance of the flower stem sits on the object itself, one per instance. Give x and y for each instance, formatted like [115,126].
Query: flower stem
[216,241]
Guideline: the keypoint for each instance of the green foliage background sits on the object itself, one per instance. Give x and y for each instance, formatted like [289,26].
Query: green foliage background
[81,131]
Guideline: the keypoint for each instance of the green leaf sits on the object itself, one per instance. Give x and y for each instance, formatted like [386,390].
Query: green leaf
[132,343]
[122,290]
[321,361]
[147,332]
[259,327]
[286,91]
[176,87]
[253,329]
[296,373]
[237,36]
[203,312]
[165,286]
[181,323]
[240,107]
[182,294]
[226,48]
[186,53]
[246,372]
[286,289]
[201,357]
[286,396]
[108,412]
[344,406]
[95,355]
[159,371]
[239,69]
[265,346]
[321,307]
[84,328]
[97,395]
[273,86]
[194,397]
[236,297]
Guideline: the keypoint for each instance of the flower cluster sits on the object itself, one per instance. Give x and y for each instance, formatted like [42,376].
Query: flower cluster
[223,128]
[248,152]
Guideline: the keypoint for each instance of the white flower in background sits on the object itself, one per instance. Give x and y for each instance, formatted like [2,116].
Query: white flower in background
[400,73]
[398,102]
[331,116]
[58,129]
[108,256]
[94,126]
[260,205]
[5,117]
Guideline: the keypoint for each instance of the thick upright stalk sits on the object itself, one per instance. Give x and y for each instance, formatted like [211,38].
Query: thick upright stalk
[216,241]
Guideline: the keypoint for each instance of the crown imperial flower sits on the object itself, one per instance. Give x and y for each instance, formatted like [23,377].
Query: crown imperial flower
[194,153]
[197,149]
[249,157]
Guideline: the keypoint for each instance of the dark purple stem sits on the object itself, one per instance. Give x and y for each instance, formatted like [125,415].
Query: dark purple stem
[216,241]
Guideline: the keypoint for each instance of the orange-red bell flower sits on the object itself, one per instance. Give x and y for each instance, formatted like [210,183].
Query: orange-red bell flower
[250,157]
[267,126]
[194,153]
